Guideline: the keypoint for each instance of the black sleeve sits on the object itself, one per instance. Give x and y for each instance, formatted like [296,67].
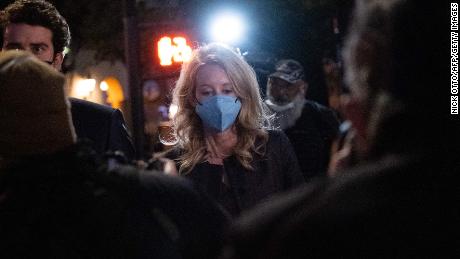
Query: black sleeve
[288,161]
[119,136]
[330,124]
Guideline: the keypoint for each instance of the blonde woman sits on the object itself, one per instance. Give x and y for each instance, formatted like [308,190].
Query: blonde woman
[224,142]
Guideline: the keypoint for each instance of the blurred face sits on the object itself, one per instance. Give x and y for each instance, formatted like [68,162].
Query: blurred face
[33,38]
[212,80]
[281,92]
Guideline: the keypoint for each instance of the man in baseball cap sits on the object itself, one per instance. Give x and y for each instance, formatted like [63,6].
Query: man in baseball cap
[286,89]
[289,70]
[309,126]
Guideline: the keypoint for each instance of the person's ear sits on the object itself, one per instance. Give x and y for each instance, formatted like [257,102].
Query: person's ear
[303,87]
[57,61]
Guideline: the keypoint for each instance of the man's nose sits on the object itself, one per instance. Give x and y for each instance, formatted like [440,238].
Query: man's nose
[281,91]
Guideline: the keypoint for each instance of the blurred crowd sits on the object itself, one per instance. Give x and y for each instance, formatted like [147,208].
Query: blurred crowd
[241,173]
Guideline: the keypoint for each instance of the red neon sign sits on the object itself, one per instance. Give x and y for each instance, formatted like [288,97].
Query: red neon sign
[173,50]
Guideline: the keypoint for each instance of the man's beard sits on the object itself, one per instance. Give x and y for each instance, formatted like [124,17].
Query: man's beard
[287,115]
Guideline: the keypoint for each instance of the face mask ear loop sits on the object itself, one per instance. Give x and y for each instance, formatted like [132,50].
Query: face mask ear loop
[237,99]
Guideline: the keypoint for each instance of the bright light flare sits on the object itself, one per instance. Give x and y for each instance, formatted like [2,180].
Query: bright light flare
[227,28]
[182,52]
[165,51]
[104,86]
[84,87]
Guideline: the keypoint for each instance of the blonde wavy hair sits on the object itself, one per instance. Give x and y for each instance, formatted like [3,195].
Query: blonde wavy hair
[251,124]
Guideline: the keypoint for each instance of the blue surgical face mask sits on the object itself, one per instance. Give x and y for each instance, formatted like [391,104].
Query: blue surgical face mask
[218,112]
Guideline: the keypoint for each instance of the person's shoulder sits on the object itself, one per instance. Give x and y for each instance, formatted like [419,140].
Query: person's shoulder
[276,136]
[259,226]
[278,206]
[275,133]
[277,141]
[372,186]
[387,196]
[84,105]
[317,190]
[313,106]
[326,116]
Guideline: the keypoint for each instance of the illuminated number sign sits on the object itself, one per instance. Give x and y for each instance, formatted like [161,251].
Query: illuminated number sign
[173,50]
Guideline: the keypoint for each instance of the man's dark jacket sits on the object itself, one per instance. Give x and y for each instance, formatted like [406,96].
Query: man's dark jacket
[312,136]
[104,126]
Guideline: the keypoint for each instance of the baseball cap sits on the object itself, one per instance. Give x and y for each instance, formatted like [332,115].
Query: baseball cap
[288,70]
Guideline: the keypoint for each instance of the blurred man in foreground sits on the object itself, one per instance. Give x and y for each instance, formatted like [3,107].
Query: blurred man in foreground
[401,201]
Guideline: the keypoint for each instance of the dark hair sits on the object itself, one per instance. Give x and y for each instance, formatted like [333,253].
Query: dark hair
[41,13]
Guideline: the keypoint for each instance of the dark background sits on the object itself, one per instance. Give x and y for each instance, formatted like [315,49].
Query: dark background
[297,29]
